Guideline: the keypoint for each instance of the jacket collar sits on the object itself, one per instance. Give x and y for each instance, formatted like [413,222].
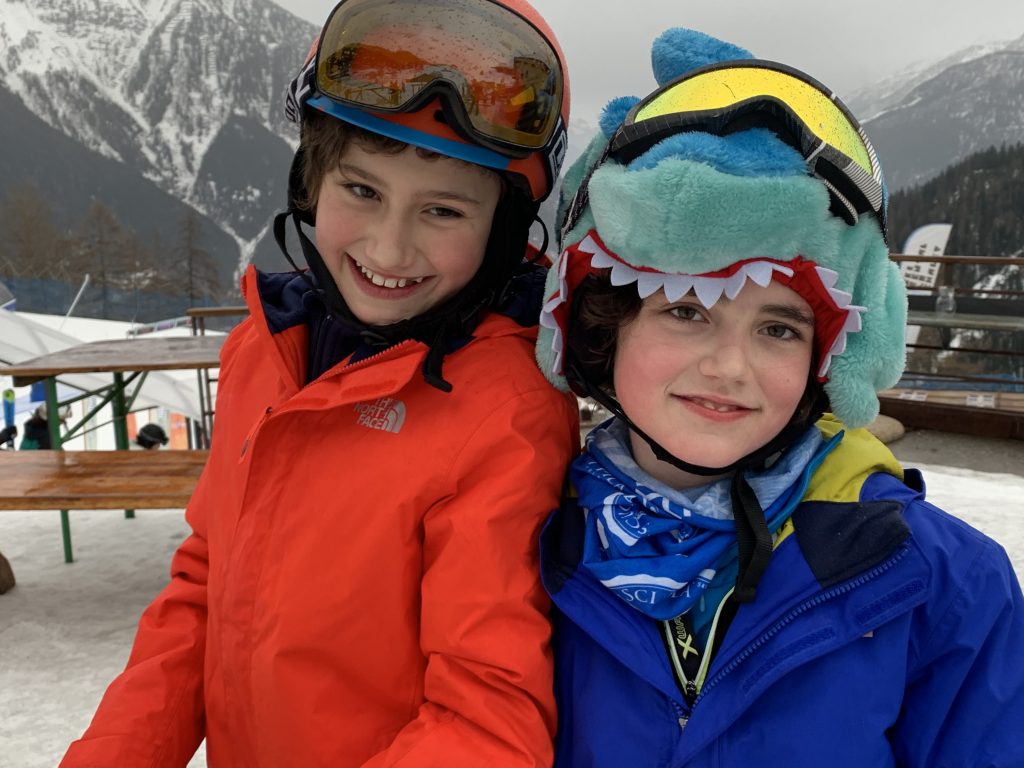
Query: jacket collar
[279,317]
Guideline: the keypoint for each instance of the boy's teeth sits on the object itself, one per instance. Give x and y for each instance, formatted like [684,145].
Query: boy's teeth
[387,283]
[715,406]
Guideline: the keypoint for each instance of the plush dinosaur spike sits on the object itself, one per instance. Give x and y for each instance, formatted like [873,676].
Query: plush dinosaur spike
[676,51]
[615,112]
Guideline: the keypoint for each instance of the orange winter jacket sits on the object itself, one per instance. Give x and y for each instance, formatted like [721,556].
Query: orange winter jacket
[360,587]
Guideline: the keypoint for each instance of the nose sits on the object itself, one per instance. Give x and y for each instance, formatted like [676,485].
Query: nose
[390,243]
[726,359]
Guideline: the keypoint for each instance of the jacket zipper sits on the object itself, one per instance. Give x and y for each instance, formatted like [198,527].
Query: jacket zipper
[695,688]
[793,614]
[254,430]
[331,373]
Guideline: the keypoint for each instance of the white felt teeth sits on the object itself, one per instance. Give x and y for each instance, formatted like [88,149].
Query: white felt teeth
[733,285]
[676,286]
[649,283]
[828,277]
[547,312]
[707,289]
[622,274]
[853,322]
[852,325]
[760,272]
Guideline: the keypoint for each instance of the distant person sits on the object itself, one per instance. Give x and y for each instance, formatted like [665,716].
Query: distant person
[151,437]
[740,580]
[36,430]
[7,435]
[361,586]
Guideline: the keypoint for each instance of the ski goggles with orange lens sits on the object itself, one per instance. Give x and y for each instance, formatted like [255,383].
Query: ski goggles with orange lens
[498,77]
[750,93]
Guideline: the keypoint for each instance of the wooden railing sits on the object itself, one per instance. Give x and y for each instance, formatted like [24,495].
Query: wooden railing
[975,388]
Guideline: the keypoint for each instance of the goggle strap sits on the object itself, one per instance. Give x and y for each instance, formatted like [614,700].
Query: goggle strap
[582,198]
[297,93]
[640,137]
[845,209]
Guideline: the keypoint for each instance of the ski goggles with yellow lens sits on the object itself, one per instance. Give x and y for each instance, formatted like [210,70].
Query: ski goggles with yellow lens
[499,79]
[750,93]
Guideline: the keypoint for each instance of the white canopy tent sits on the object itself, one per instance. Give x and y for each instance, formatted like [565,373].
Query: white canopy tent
[24,336]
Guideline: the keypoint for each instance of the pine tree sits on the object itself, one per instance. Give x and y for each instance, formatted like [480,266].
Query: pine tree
[30,243]
[982,197]
[193,266]
[103,248]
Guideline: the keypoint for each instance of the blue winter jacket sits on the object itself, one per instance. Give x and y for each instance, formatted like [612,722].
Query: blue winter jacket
[885,633]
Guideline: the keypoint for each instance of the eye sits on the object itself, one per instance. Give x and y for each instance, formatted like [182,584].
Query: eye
[360,191]
[782,331]
[444,213]
[687,312]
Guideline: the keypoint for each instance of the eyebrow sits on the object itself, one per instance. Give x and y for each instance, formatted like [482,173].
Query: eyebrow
[439,194]
[789,312]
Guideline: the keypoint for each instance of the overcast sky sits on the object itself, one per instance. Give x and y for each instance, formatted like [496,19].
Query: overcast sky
[846,47]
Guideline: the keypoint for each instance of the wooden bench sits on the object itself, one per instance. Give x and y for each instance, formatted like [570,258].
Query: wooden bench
[159,479]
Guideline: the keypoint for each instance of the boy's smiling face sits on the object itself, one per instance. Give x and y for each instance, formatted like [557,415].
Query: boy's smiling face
[401,233]
[712,385]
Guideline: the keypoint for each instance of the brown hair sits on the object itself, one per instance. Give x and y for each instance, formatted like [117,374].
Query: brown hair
[599,311]
[324,140]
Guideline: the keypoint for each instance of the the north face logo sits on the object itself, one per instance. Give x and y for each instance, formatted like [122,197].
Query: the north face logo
[387,414]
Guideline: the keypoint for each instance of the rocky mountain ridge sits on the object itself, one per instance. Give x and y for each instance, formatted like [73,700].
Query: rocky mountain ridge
[928,119]
[167,87]
[185,97]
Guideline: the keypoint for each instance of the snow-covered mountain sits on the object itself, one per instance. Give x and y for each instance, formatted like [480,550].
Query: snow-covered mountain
[870,101]
[184,98]
[185,92]
[925,119]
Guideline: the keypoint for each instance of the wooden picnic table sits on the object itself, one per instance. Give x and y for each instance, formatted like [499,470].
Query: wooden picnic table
[158,479]
[127,360]
[66,480]
[146,353]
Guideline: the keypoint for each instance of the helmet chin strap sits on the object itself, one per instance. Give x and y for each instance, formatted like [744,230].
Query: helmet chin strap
[753,538]
[327,289]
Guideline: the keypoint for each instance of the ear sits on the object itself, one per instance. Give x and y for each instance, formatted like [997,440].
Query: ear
[678,50]
[615,112]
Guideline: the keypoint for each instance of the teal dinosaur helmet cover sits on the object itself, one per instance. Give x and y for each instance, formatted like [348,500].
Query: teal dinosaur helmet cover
[706,209]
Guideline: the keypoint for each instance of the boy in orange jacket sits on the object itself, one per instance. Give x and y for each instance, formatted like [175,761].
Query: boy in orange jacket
[360,587]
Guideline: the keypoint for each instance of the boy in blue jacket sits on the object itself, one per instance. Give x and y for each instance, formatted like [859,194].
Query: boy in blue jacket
[740,579]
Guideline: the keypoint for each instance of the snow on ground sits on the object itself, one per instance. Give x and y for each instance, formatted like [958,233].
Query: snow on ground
[66,630]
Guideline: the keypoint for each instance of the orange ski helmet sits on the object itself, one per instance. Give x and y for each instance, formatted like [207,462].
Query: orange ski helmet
[480,80]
